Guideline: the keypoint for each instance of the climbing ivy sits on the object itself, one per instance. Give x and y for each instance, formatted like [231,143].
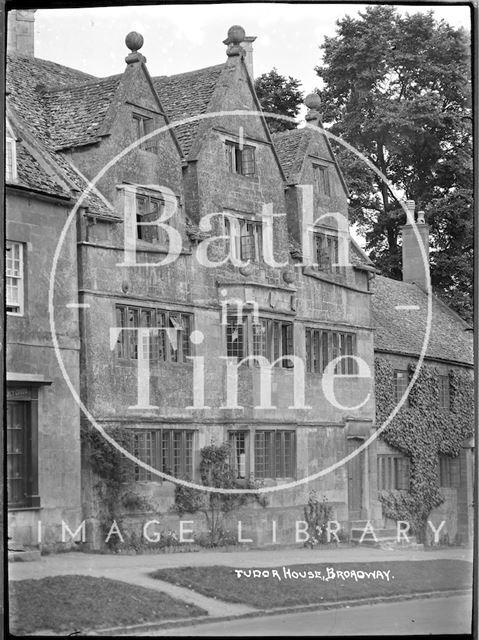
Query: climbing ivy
[113,471]
[422,431]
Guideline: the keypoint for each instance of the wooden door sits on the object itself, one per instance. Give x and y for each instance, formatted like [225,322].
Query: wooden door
[355,468]
[17,453]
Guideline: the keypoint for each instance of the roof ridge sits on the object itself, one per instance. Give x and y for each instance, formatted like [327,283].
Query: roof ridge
[288,131]
[16,54]
[47,91]
[185,73]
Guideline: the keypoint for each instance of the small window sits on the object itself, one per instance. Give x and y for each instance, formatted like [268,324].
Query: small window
[273,339]
[148,210]
[449,473]
[168,450]
[10,159]
[321,180]
[14,272]
[326,250]
[240,159]
[143,126]
[238,441]
[444,399]
[393,472]
[246,238]
[235,336]
[401,381]
[275,454]
[324,346]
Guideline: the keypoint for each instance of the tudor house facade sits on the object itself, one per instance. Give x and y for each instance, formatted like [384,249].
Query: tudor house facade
[190,256]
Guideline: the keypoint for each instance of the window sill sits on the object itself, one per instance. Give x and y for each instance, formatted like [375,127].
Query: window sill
[240,175]
[274,480]
[38,508]
[130,362]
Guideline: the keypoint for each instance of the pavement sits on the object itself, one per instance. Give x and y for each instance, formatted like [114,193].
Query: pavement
[434,616]
[135,569]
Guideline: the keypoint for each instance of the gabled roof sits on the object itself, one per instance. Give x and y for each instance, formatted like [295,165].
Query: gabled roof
[402,331]
[41,169]
[27,78]
[30,82]
[185,95]
[31,175]
[357,255]
[291,147]
[74,114]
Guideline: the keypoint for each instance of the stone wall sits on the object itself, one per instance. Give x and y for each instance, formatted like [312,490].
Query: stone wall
[38,223]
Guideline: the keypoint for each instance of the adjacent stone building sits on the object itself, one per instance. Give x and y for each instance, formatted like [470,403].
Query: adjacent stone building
[428,453]
[193,255]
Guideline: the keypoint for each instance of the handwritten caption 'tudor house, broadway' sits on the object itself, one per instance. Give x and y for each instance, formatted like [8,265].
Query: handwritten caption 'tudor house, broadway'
[285,573]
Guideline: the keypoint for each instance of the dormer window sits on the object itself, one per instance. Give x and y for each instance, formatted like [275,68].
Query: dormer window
[10,158]
[143,126]
[321,180]
[240,158]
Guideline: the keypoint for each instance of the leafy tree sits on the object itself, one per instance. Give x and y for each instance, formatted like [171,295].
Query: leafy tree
[397,88]
[279,94]
[215,471]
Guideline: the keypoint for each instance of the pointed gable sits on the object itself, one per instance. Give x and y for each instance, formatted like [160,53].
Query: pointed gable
[294,145]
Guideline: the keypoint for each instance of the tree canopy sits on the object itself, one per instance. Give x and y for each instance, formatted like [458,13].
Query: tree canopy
[279,94]
[397,88]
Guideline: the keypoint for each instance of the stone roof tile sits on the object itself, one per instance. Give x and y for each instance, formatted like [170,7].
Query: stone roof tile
[403,330]
[185,95]
[291,147]
[33,176]
[75,114]
[28,79]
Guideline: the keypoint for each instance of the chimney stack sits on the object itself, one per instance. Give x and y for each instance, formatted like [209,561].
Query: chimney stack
[20,31]
[415,268]
[239,43]
[247,45]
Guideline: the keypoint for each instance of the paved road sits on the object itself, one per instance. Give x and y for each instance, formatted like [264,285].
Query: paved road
[432,616]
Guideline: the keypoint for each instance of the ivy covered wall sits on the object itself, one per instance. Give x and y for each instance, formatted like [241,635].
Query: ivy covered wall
[423,431]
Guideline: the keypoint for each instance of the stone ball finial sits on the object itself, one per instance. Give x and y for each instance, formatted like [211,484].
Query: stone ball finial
[134,41]
[313,101]
[236,34]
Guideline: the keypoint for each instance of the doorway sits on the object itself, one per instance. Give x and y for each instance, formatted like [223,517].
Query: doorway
[355,471]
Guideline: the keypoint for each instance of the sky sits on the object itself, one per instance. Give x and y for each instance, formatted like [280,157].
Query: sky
[180,38]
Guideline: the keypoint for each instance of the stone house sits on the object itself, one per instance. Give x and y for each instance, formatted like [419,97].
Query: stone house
[439,408]
[200,246]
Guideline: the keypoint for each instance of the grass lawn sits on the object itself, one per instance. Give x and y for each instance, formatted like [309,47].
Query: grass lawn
[269,592]
[77,603]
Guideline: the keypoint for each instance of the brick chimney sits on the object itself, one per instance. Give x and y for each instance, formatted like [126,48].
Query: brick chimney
[414,267]
[20,31]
